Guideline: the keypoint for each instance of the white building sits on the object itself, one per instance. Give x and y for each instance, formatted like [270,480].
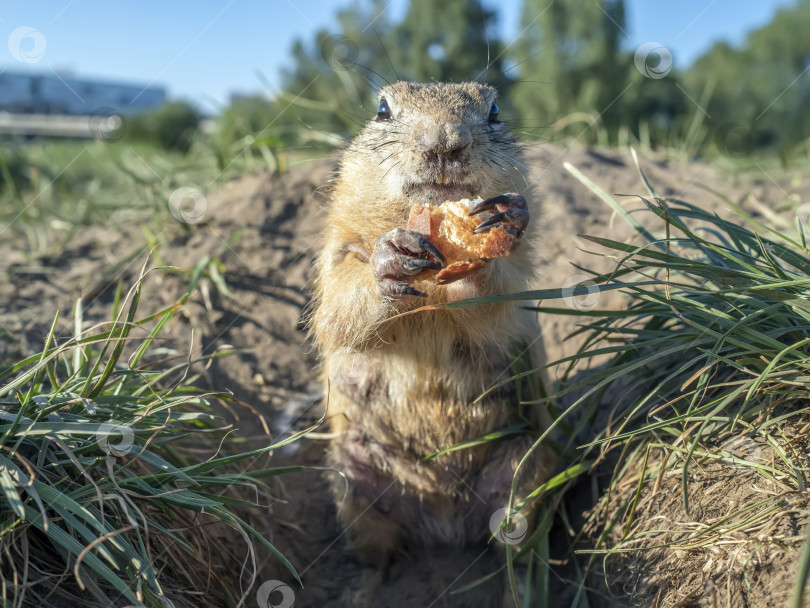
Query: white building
[52,93]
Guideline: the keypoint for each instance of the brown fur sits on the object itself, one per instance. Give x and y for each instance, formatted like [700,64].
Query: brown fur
[402,388]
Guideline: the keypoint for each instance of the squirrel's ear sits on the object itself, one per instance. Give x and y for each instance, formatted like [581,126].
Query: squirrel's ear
[383,111]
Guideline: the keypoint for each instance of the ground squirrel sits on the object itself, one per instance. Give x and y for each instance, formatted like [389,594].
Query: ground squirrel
[403,387]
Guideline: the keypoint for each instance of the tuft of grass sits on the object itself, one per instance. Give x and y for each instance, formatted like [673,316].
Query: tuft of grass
[105,479]
[707,366]
[713,351]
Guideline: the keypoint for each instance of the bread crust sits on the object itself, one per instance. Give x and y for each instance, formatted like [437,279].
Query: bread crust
[451,229]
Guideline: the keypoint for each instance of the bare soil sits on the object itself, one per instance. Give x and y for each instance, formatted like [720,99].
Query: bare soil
[264,230]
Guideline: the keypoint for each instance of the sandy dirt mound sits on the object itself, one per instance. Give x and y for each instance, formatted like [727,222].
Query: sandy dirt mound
[737,545]
[264,231]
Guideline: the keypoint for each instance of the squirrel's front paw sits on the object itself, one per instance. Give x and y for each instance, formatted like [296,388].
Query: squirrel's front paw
[400,254]
[513,213]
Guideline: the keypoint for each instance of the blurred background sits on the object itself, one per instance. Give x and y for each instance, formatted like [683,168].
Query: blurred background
[197,93]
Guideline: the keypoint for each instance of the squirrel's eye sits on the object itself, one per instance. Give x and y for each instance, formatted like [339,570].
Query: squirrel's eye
[493,112]
[383,111]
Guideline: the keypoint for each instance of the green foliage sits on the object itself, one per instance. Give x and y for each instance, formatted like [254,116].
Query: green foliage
[710,352]
[173,126]
[331,86]
[449,41]
[258,131]
[568,68]
[570,74]
[570,61]
[760,85]
[52,188]
[15,172]
[98,489]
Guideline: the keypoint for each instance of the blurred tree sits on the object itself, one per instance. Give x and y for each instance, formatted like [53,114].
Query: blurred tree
[763,85]
[448,41]
[331,82]
[568,65]
[569,60]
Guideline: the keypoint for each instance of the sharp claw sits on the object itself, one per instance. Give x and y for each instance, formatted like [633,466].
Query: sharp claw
[490,223]
[514,216]
[420,263]
[508,200]
[413,292]
[488,204]
[411,243]
[434,251]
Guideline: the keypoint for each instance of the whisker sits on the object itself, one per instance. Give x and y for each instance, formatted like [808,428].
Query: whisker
[389,169]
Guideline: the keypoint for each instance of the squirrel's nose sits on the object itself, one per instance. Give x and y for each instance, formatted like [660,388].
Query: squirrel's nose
[449,154]
[448,144]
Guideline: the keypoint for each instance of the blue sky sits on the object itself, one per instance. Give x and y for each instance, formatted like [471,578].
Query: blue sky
[202,51]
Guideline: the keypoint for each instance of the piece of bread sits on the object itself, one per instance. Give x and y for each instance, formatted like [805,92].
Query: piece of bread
[450,228]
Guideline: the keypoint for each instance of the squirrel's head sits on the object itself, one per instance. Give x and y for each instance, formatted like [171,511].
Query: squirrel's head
[438,141]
